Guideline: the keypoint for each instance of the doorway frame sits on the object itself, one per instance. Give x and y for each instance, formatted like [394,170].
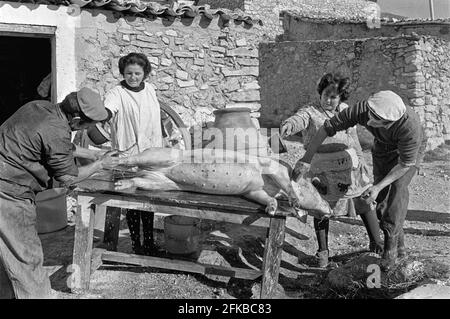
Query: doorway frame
[35,31]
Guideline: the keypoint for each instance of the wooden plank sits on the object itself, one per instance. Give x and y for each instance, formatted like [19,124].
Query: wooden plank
[272,257]
[177,198]
[181,265]
[82,250]
[230,216]
[147,202]
[14,29]
[112,227]
[100,216]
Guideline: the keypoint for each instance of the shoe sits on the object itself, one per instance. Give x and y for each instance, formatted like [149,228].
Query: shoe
[322,258]
[376,248]
[401,249]
[390,253]
[389,259]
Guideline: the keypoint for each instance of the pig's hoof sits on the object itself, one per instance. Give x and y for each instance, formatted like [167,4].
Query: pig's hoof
[271,208]
[120,185]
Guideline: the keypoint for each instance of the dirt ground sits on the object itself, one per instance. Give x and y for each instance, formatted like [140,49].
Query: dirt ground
[427,236]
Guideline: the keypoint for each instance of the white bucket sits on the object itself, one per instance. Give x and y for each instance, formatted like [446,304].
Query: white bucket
[51,210]
[181,234]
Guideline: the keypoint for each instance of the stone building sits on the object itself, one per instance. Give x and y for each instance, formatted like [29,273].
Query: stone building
[378,51]
[202,58]
[209,54]
[410,57]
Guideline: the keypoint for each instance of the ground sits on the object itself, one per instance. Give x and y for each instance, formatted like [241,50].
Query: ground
[427,230]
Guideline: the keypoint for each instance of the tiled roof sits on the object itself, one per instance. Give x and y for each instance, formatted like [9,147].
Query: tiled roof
[150,8]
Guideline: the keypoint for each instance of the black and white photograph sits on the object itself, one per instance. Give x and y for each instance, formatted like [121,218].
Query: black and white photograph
[231,156]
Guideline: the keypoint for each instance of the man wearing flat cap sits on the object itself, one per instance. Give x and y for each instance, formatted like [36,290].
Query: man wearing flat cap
[399,147]
[35,147]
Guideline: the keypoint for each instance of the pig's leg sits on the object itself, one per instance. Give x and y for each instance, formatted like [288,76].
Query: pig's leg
[279,174]
[154,182]
[262,197]
[154,157]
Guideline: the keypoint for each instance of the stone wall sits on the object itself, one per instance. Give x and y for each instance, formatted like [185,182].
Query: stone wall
[301,29]
[198,65]
[290,72]
[431,93]
[269,10]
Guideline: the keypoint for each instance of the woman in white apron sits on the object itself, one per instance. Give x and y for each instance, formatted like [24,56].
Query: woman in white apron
[135,126]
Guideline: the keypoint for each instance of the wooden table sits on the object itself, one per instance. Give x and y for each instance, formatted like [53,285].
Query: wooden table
[233,209]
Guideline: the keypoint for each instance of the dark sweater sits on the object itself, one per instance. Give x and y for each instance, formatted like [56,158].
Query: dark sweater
[35,146]
[405,135]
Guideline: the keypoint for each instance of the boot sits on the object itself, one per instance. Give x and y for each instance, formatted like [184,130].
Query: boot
[322,258]
[372,225]
[376,248]
[321,227]
[390,253]
[401,249]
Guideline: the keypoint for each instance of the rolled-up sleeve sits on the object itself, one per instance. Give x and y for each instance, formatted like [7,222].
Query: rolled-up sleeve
[59,154]
[409,144]
[347,118]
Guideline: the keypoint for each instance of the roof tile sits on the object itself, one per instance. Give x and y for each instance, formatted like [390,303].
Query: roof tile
[151,8]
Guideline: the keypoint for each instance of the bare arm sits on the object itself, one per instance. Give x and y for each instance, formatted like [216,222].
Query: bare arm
[317,140]
[371,194]
[83,173]
[396,172]
[82,152]
[303,165]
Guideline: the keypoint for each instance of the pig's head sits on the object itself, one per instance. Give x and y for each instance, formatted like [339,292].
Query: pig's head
[309,199]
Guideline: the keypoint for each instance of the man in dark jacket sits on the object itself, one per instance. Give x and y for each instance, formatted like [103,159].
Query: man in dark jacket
[35,147]
[398,149]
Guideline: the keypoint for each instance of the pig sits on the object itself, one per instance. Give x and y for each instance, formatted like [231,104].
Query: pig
[220,172]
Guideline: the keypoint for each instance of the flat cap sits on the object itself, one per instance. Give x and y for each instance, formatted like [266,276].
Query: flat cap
[387,105]
[91,104]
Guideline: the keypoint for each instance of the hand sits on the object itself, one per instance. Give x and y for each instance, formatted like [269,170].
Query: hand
[301,169]
[370,195]
[110,160]
[110,153]
[286,129]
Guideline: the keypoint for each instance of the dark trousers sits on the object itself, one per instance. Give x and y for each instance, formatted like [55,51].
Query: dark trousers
[22,274]
[392,201]
[134,218]
[368,217]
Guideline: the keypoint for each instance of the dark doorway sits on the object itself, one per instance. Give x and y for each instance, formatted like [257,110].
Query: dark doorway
[24,63]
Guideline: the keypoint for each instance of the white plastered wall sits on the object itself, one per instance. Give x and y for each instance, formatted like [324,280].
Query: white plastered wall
[66,20]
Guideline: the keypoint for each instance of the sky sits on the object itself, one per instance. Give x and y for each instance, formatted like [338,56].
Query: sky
[416,8]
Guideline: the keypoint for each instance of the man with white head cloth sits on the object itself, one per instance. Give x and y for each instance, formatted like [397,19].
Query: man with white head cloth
[399,146]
